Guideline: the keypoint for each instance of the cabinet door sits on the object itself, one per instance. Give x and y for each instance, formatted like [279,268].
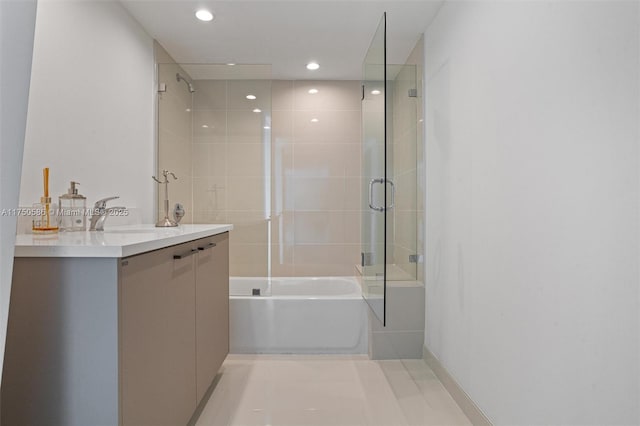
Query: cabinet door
[158,337]
[212,309]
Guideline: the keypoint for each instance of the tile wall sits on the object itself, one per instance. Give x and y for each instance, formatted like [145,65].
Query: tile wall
[174,135]
[285,169]
[231,166]
[316,178]
[286,176]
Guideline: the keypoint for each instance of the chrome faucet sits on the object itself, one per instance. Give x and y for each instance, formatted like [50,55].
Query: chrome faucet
[166,222]
[100,213]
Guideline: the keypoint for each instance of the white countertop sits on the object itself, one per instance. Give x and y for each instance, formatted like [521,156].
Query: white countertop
[117,241]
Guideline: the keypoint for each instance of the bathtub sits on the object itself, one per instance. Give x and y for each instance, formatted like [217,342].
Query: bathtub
[306,315]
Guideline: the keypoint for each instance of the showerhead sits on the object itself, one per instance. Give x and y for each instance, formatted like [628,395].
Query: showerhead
[181,78]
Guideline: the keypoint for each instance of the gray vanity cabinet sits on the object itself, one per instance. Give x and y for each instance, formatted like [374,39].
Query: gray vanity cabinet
[212,310]
[158,338]
[117,341]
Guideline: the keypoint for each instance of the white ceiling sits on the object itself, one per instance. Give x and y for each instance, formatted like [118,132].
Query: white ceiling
[285,34]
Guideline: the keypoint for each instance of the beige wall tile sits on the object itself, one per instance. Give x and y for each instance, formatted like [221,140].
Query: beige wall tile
[246,193]
[352,195]
[209,160]
[247,159]
[331,96]
[200,159]
[247,259]
[282,95]
[210,94]
[326,193]
[326,160]
[282,126]
[282,270]
[405,153]
[329,270]
[314,184]
[176,155]
[209,194]
[281,176]
[248,269]
[282,264]
[282,228]
[331,127]
[173,116]
[237,90]
[245,127]
[249,227]
[405,184]
[210,217]
[333,227]
[209,126]
[405,229]
[326,254]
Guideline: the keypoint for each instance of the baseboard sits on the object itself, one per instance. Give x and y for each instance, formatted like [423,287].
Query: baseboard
[204,401]
[468,407]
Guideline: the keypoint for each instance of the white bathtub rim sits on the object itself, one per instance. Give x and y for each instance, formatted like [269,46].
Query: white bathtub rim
[355,293]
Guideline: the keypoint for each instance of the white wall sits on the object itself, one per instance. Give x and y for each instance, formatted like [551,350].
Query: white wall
[532,115]
[91,105]
[17,21]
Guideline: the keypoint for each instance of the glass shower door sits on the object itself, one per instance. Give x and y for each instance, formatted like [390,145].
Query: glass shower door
[376,192]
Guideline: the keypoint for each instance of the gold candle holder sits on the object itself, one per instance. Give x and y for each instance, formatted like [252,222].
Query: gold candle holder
[42,221]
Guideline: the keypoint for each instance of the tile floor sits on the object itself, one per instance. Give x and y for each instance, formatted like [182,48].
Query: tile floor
[328,390]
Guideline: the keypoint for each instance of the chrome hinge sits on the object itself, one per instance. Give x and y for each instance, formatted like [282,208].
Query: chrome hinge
[366,259]
[415,258]
[413,93]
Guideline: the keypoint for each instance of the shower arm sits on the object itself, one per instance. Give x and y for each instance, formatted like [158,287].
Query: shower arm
[189,85]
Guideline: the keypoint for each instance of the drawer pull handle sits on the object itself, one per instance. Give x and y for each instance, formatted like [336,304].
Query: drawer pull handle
[183,255]
[208,246]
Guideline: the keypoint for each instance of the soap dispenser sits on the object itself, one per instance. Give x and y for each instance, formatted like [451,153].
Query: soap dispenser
[73,207]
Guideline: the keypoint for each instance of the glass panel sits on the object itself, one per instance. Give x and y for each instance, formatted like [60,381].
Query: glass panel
[402,165]
[214,133]
[175,101]
[374,196]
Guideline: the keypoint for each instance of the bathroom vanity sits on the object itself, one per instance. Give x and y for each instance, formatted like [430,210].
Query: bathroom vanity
[123,327]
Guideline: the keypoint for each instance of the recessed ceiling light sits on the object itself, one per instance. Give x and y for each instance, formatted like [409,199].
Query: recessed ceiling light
[230,64]
[313,66]
[188,109]
[251,97]
[266,127]
[313,91]
[204,15]
[204,126]
[375,92]
[257,110]
[314,120]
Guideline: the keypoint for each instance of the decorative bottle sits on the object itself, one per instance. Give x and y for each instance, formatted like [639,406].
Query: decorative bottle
[73,207]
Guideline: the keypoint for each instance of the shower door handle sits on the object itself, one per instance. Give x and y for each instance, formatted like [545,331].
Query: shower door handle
[393,194]
[371,183]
